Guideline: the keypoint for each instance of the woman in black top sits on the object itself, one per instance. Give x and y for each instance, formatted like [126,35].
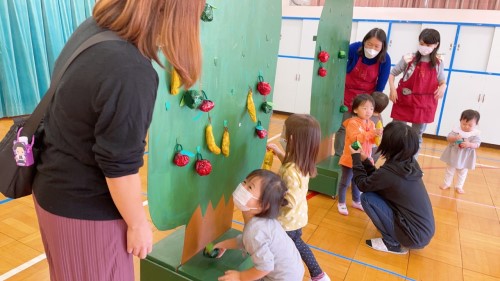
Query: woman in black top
[87,190]
[394,196]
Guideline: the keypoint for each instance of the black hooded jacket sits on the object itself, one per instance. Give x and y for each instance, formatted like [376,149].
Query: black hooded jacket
[401,185]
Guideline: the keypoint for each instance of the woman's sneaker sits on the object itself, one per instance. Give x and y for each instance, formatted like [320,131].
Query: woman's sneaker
[343,209]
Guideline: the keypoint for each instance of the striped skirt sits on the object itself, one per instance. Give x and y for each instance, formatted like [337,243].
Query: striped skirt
[84,250]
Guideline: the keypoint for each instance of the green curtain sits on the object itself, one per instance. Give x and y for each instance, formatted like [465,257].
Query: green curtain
[32,33]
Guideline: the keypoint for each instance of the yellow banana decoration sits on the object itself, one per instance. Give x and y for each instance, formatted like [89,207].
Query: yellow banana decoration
[268,160]
[225,142]
[251,106]
[378,139]
[209,135]
[175,82]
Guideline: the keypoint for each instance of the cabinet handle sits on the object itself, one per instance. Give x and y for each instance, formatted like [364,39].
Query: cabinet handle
[479,98]
[296,77]
[451,46]
[299,76]
[458,47]
[483,98]
[390,43]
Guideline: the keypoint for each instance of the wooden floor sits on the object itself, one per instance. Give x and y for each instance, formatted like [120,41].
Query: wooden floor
[466,245]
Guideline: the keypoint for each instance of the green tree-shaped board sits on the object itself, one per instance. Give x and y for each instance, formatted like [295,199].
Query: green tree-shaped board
[239,44]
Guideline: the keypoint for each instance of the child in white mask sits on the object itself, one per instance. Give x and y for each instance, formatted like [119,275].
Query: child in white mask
[259,197]
[300,139]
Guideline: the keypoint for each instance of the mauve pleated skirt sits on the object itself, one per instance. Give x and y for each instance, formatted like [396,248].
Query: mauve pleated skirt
[84,250]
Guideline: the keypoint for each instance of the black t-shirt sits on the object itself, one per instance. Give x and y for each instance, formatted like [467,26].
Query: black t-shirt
[95,127]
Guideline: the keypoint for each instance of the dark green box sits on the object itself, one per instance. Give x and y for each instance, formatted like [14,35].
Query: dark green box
[163,262]
[326,181]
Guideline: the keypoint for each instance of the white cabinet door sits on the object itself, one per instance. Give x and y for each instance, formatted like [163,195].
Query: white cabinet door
[291,37]
[303,99]
[464,92]
[494,60]
[403,40]
[354,28]
[473,48]
[365,26]
[447,33]
[432,127]
[308,43]
[488,124]
[285,85]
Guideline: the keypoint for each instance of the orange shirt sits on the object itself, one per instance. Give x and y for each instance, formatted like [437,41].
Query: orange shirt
[357,129]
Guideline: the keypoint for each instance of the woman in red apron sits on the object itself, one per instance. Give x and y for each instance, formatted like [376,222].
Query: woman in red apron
[368,68]
[422,85]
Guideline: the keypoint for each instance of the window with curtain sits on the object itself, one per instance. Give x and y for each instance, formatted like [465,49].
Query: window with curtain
[32,33]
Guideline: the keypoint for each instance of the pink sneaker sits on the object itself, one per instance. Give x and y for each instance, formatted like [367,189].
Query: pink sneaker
[358,206]
[342,209]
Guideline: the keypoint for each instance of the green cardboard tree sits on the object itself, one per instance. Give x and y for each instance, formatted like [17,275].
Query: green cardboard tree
[239,44]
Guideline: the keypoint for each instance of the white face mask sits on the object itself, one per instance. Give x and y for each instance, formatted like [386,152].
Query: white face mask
[371,53]
[241,196]
[425,50]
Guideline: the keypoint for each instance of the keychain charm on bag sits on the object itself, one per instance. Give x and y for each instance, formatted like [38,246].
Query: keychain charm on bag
[23,151]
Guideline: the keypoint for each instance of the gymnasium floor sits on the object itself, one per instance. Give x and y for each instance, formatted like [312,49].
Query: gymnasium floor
[466,245]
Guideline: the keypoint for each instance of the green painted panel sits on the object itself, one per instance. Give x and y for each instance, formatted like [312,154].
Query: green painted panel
[241,42]
[327,93]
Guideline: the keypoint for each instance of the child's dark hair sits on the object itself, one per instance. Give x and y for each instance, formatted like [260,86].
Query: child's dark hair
[303,136]
[430,36]
[399,142]
[360,100]
[470,114]
[381,101]
[382,37]
[273,193]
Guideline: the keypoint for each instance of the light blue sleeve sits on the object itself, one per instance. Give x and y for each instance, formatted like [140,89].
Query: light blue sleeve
[257,243]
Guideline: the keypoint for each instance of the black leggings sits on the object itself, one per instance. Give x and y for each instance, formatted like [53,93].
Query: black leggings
[305,252]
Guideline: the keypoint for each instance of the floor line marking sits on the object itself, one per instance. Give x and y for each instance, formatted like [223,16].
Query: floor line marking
[273,138]
[462,200]
[437,157]
[22,267]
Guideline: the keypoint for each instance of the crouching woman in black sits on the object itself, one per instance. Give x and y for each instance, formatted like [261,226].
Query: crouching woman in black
[394,196]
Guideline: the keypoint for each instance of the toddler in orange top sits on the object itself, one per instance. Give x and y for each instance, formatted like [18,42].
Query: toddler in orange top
[358,128]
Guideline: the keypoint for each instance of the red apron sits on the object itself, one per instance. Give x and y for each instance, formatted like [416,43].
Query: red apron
[419,106]
[361,80]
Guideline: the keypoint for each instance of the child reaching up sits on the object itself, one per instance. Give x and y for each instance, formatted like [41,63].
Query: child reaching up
[300,138]
[273,254]
[381,101]
[358,129]
[460,154]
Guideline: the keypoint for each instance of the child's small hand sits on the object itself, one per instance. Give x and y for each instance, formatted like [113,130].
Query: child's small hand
[221,248]
[230,275]
[274,148]
[466,144]
[379,132]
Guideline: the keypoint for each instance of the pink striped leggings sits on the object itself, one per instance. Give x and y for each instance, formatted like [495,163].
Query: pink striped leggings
[84,250]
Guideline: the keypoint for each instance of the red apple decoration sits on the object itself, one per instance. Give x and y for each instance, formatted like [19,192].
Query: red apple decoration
[323,56]
[322,72]
[206,105]
[264,88]
[203,166]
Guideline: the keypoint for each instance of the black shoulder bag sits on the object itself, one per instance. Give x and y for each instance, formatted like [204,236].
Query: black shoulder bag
[18,157]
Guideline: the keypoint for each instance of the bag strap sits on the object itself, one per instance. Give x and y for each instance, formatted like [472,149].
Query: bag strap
[36,117]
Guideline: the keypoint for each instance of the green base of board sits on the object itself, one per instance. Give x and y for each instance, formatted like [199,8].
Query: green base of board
[327,179]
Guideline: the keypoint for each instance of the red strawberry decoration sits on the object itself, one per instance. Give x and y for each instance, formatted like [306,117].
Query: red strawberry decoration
[263,87]
[180,159]
[323,56]
[260,131]
[203,166]
[322,72]
[206,105]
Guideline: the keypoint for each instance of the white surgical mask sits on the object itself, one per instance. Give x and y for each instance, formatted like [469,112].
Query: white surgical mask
[371,53]
[425,50]
[241,196]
